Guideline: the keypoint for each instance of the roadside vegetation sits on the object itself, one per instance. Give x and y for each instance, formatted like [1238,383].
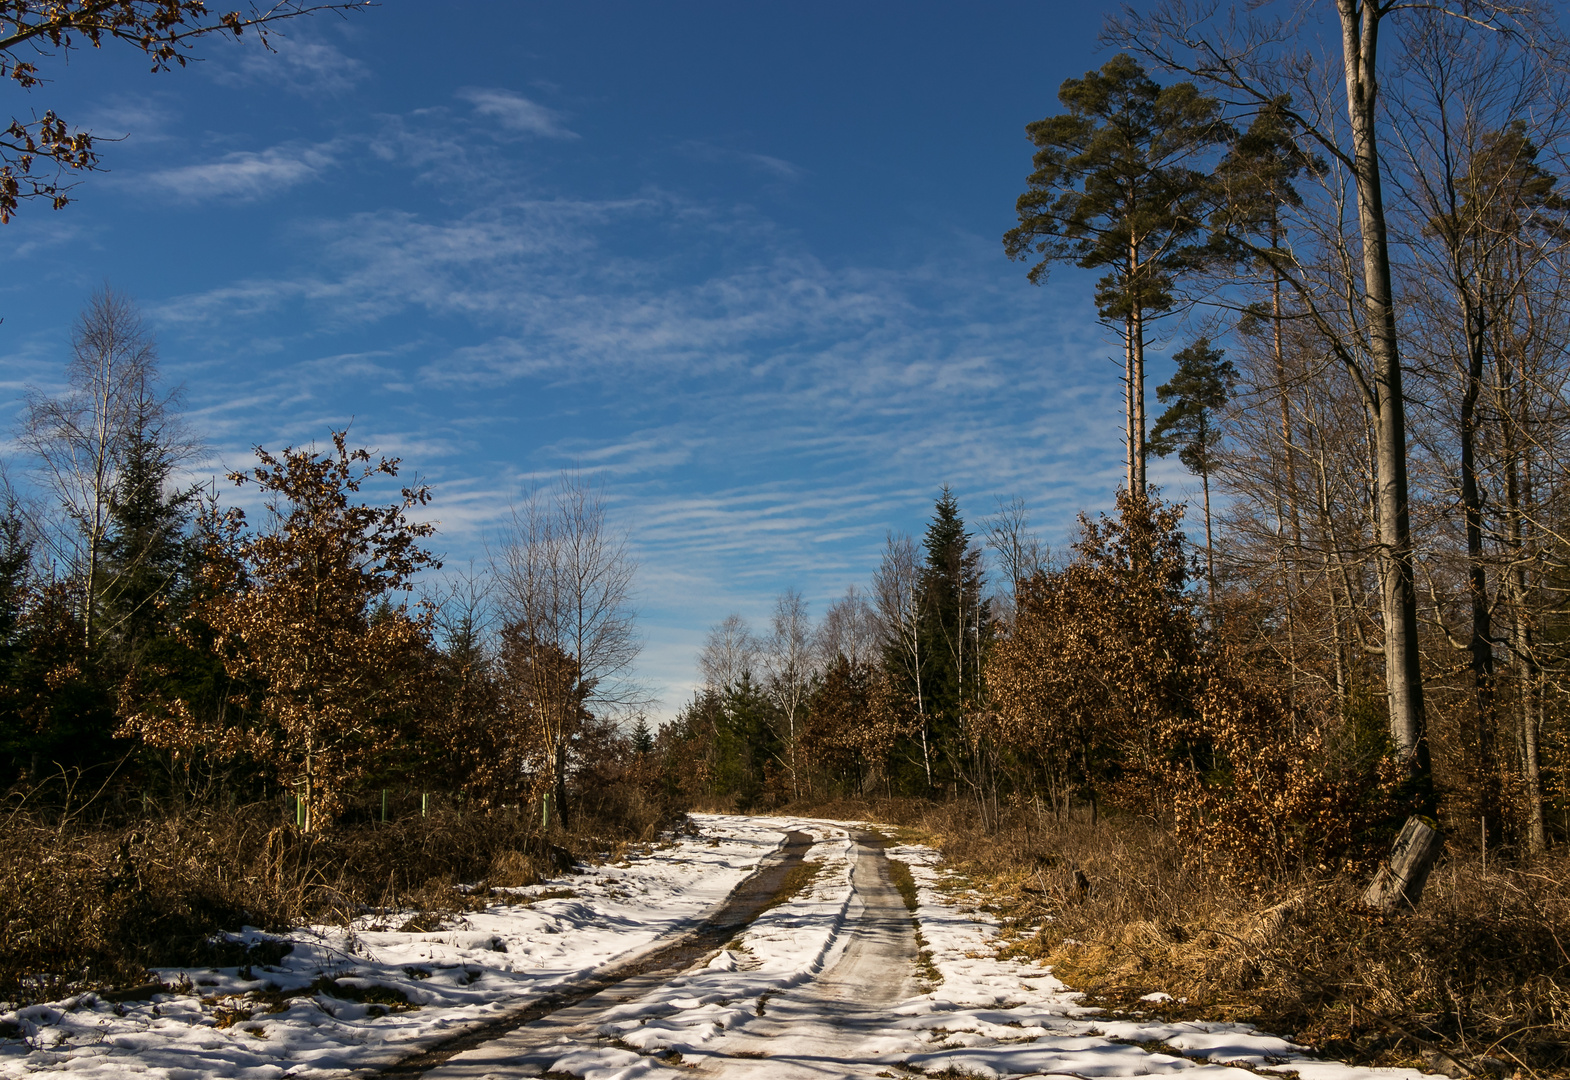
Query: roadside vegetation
[1475,980]
[207,723]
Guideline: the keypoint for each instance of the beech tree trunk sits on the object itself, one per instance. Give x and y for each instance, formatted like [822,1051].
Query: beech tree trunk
[1360,23]
[1481,645]
[1293,543]
[559,784]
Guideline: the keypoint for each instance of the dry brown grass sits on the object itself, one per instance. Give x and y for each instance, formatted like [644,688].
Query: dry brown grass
[95,907]
[1480,970]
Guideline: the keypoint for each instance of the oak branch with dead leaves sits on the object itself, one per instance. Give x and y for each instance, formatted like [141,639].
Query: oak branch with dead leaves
[40,153]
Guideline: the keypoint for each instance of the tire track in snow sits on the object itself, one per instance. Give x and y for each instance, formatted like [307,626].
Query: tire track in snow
[833,968]
[746,902]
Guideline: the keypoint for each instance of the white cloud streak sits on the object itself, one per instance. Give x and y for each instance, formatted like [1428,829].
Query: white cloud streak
[298,64]
[246,174]
[762,417]
[516,114]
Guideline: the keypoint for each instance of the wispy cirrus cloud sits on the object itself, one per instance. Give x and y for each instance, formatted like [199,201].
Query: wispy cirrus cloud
[516,114]
[138,116]
[830,360]
[299,64]
[247,174]
[775,168]
[762,416]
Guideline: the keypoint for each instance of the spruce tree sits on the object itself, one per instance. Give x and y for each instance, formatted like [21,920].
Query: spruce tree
[954,624]
[144,554]
[642,738]
[748,741]
[16,556]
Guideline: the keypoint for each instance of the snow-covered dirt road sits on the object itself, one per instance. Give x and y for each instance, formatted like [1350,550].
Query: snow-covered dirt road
[773,1030]
[641,968]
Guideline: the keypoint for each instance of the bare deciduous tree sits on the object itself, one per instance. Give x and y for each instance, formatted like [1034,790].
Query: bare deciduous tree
[1019,551]
[565,576]
[849,629]
[787,657]
[730,652]
[897,588]
[80,438]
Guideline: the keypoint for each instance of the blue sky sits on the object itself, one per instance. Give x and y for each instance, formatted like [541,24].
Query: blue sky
[743,261]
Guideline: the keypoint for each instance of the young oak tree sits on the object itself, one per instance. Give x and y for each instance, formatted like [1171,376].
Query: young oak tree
[301,613]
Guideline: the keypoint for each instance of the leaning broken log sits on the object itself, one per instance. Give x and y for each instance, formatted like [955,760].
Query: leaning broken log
[1401,880]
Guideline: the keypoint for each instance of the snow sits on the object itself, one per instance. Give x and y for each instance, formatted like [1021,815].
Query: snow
[764,1007]
[490,962]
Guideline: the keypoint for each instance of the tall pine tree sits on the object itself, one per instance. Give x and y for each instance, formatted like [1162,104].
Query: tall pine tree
[1115,188]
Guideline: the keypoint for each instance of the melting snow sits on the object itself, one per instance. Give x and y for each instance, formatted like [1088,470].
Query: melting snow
[987,1017]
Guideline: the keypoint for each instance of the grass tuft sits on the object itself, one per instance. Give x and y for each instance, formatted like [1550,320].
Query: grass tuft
[796,881]
[904,881]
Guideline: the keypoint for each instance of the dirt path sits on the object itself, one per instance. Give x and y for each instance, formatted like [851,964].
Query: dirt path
[788,1037]
[831,1026]
[559,1010]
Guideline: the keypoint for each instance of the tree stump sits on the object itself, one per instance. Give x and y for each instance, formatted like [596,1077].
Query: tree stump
[1079,887]
[1403,877]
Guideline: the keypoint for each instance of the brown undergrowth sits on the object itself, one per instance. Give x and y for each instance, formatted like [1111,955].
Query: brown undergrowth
[1476,979]
[85,907]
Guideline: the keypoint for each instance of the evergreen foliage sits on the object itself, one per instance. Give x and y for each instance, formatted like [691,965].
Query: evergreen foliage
[146,560]
[1197,390]
[1193,396]
[642,737]
[1115,187]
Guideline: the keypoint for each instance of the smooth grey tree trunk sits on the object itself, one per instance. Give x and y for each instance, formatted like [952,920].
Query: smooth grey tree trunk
[1360,22]
[1290,577]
